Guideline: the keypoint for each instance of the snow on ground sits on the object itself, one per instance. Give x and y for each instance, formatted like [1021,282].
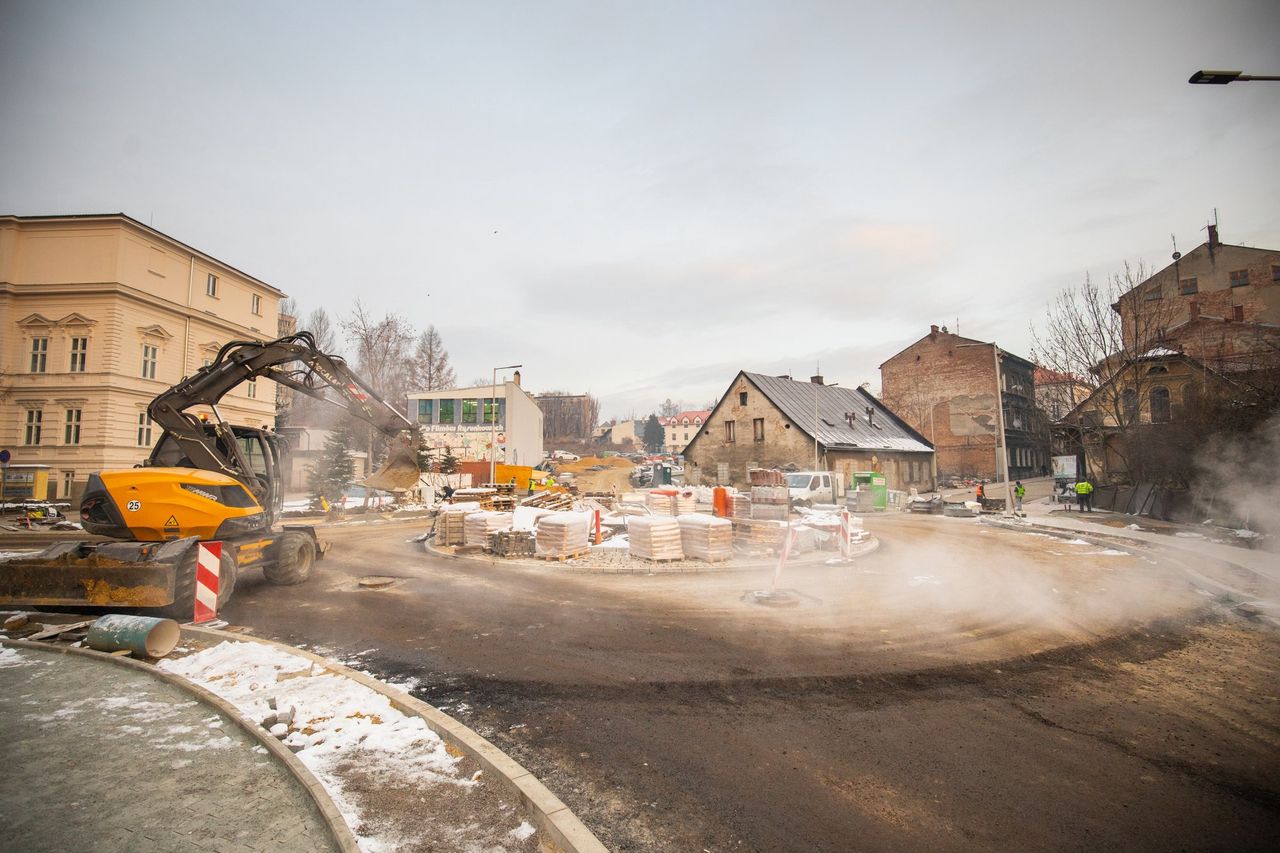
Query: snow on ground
[4,555]
[12,657]
[339,726]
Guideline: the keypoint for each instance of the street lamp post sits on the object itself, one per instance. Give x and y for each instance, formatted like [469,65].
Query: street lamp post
[815,421]
[493,419]
[1222,78]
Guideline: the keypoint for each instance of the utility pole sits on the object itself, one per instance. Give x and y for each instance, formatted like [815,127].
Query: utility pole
[1002,457]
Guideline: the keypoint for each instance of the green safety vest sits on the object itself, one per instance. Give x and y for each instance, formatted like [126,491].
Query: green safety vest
[1020,491]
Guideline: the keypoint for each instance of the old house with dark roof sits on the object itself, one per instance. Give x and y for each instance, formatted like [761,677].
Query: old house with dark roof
[777,422]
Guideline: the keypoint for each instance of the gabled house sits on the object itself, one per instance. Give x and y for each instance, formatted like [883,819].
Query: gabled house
[777,422]
[679,430]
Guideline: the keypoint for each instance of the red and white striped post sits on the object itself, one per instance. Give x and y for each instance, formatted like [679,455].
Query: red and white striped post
[846,546]
[791,535]
[208,566]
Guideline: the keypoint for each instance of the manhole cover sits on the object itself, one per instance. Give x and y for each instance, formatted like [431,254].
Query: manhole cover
[777,598]
[377,581]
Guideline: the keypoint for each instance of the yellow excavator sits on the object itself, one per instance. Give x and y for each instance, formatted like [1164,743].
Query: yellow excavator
[205,480]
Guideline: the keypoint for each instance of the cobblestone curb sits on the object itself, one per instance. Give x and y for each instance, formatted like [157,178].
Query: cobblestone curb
[552,817]
[643,567]
[329,814]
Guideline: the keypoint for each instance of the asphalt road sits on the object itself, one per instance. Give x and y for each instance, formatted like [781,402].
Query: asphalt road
[962,687]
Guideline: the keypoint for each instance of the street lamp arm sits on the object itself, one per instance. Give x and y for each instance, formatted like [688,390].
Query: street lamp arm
[1222,78]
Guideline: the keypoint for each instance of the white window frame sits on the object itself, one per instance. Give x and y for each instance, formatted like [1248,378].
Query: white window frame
[39,354]
[150,357]
[79,360]
[34,428]
[68,483]
[71,431]
[211,286]
[255,303]
[144,429]
[251,388]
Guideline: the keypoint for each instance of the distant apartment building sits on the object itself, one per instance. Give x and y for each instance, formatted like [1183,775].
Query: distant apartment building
[100,313]
[679,430]
[473,423]
[953,390]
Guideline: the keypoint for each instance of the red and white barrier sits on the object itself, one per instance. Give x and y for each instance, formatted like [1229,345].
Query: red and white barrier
[208,566]
[846,534]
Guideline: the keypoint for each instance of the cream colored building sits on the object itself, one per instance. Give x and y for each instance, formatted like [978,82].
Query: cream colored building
[100,313]
[468,421]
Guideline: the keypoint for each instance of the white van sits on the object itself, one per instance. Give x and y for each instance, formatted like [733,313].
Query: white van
[812,487]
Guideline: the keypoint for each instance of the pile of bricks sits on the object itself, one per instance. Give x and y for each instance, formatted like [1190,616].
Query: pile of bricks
[478,526]
[512,543]
[770,503]
[761,534]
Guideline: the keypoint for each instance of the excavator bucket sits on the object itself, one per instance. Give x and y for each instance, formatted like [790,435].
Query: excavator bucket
[108,574]
[399,472]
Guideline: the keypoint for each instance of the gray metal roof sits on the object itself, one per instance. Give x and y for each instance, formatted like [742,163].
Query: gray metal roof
[797,400]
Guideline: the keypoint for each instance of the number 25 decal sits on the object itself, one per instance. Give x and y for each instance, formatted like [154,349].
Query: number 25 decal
[134,506]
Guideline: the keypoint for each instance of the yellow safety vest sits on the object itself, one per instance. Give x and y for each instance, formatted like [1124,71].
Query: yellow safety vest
[1084,488]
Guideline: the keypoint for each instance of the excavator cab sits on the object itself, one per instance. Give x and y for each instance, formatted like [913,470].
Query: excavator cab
[260,450]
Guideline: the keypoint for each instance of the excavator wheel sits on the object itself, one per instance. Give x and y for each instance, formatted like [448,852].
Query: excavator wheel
[184,584]
[295,556]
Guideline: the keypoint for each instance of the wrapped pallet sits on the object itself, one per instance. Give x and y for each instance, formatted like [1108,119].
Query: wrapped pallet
[705,537]
[564,534]
[686,503]
[656,537]
[479,525]
[661,503]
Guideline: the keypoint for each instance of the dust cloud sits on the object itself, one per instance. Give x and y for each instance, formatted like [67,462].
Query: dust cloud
[1241,474]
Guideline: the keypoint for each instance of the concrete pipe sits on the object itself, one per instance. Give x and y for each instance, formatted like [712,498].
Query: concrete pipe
[144,636]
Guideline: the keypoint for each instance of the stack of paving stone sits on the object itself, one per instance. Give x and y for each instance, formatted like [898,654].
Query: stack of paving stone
[766,534]
[766,477]
[705,537]
[769,503]
[685,502]
[656,537]
[512,543]
[739,505]
[479,525]
[661,504]
[564,534]
[451,523]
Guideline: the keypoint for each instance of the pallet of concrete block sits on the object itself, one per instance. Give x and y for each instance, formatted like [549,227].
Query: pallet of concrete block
[655,537]
[512,543]
[768,512]
[562,535]
[739,505]
[686,503]
[451,523]
[478,525]
[705,537]
[761,534]
[661,502]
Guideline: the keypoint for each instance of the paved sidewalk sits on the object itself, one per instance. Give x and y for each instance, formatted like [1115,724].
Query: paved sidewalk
[98,757]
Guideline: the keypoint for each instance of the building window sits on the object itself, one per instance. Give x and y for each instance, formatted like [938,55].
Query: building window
[1129,405]
[446,411]
[1188,286]
[144,429]
[71,432]
[469,410]
[251,388]
[79,354]
[150,355]
[1275,273]
[211,286]
[491,411]
[39,355]
[1153,293]
[256,304]
[742,398]
[757,429]
[728,432]
[1239,278]
[1160,413]
[35,418]
[68,482]
[424,411]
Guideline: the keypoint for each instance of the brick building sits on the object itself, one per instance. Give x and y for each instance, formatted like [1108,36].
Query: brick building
[99,314]
[774,421]
[947,388]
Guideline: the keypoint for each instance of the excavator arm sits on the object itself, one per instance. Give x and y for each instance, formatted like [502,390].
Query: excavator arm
[295,362]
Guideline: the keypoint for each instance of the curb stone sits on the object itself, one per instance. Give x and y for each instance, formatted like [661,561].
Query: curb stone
[343,838]
[549,813]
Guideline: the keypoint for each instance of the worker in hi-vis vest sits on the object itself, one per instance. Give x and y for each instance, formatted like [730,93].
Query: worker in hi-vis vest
[1084,494]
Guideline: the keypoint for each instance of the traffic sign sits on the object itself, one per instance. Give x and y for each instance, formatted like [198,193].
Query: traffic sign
[5,456]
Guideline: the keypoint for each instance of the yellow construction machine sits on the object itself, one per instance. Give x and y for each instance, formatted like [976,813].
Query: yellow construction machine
[205,480]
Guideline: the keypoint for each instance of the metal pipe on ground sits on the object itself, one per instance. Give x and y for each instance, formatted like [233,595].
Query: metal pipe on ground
[145,636]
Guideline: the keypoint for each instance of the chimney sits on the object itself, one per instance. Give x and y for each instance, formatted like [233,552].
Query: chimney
[871,415]
[933,331]
[816,380]
[516,378]
[1213,237]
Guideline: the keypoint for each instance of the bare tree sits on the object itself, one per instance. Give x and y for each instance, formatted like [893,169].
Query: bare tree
[1109,330]
[382,355]
[430,369]
[668,409]
[321,328]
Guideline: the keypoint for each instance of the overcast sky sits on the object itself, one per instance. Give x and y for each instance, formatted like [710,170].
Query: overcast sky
[639,199]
